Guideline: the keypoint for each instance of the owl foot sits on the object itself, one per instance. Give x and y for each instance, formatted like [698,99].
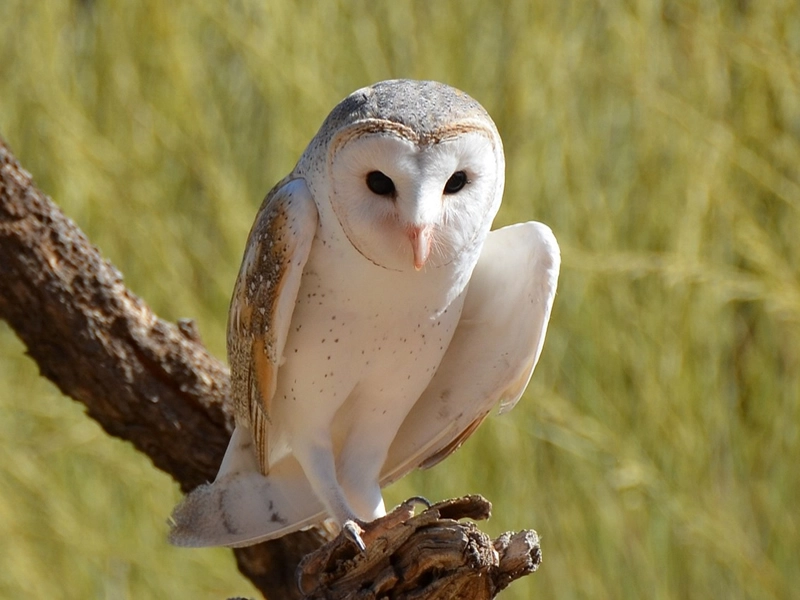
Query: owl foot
[360,533]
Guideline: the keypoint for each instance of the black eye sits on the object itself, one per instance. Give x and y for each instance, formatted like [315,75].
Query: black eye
[456,182]
[380,184]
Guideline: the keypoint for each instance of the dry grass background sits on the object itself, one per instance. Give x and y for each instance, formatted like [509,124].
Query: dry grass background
[657,448]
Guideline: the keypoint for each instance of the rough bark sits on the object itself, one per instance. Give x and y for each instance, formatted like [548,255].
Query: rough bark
[154,384]
[430,555]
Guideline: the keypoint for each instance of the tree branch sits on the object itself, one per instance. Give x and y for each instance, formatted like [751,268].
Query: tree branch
[154,384]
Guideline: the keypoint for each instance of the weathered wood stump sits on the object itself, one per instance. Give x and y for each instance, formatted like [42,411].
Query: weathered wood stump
[431,555]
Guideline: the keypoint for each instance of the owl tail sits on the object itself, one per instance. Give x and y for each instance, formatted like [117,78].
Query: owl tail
[242,506]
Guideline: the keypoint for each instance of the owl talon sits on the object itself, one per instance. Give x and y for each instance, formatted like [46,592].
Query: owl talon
[414,500]
[352,532]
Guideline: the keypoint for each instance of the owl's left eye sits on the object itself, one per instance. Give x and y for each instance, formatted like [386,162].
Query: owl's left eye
[456,182]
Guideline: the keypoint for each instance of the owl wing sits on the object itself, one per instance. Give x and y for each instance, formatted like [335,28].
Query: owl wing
[263,302]
[494,349]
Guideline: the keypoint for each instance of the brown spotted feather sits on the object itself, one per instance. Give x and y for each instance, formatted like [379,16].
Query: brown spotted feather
[263,298]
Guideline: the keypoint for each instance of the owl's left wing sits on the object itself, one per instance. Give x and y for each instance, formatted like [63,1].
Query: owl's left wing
[494,349]
[263,302]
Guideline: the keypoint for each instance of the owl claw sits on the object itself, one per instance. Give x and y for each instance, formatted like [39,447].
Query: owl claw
[352,532]
[414,500]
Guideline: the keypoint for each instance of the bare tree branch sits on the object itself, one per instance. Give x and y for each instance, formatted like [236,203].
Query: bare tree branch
[142,379]
[154,384]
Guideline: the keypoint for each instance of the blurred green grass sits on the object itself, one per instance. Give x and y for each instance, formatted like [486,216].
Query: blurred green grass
[656,448]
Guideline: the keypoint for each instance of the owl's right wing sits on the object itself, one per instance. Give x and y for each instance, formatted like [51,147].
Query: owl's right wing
[263,301]
[493,351]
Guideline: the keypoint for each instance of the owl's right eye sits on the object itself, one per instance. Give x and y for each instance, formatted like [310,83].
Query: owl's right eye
[380,184]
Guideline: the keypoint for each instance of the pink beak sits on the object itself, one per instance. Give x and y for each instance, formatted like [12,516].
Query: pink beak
[421,239]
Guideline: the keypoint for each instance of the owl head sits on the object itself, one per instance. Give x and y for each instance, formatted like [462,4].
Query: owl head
[412,171]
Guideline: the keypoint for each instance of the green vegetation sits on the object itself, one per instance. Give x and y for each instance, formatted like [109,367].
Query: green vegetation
[656,450]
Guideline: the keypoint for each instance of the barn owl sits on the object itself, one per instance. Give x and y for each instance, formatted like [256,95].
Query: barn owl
[376,320]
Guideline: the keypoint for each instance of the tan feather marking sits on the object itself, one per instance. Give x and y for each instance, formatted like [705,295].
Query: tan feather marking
[266,373]
[262,293]
[284,226]
[454,445]
[370,126]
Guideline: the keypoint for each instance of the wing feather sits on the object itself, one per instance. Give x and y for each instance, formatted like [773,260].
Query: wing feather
[494,349]
[263,302]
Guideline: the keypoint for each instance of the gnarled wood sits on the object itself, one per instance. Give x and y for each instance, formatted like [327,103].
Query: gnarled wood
[431,555]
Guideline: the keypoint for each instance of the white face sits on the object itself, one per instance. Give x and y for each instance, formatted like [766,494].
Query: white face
[408,206]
